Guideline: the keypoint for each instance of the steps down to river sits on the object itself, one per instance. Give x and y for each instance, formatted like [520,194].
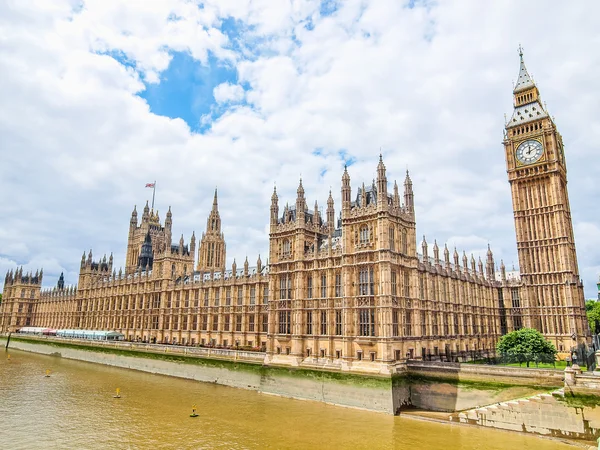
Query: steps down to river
[553,414]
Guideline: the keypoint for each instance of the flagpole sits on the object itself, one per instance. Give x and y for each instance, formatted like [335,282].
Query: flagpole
[153,191]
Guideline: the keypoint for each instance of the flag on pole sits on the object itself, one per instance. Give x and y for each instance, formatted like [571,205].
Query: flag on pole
[150,185]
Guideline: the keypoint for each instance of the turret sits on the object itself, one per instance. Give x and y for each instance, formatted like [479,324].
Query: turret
[181,242]
[89,258]
[168,229]
[436,253]
[316,214]
[110,260]
[61,281]
[193,243]
[473,264]
[234,268]
[246,267]
[300,204]
[425,254]
[503,270]
[258,265]
[396,195]
[381,183]
[447,256]
[146,258]
[330,215]
[83,259]
[274,207]
[146,214]
[465,262]
[409,200]
[346,190]
[489,265]
[456,264]
[480,266]
[134,218]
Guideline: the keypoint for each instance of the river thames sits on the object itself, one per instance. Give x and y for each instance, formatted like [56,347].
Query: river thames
[74,408]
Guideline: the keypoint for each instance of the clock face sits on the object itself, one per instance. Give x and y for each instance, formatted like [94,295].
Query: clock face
[529,152]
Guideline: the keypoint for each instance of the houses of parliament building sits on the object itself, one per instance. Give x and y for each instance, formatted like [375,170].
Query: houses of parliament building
[350,290]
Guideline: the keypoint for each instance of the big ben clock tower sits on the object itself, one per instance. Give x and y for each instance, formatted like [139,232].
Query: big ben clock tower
[552,298]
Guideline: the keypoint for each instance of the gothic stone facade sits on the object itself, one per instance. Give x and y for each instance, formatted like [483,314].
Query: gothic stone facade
[352,293]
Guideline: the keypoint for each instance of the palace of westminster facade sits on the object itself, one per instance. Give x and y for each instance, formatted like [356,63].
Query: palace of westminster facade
[353,293]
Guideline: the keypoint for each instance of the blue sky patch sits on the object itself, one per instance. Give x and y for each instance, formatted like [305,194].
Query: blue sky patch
[186,88]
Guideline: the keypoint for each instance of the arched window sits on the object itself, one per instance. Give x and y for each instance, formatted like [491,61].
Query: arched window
[173,270]
[364,234]
[404,242]
[287,247]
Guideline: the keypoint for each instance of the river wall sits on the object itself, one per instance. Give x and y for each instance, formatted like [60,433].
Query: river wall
[449,387]
[350,390]
[432,386]
[559,414]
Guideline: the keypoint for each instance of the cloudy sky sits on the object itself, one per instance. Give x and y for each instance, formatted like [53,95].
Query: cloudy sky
[99,97]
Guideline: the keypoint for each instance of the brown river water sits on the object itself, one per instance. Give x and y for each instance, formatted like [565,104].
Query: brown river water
[74,408]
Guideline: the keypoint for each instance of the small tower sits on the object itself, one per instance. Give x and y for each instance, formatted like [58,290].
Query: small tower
[447,256]
[330,215]
[346,191]
[489,265]
[396,195]
[146,254]
[61,281]
[436,253]
[425,254]
[300,204]
[211,254]
[146,214]
[274,208]
[381,183]
[409,199]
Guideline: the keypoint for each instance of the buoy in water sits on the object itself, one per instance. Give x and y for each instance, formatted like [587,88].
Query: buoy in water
[193,414]
[118,394]
[47,373]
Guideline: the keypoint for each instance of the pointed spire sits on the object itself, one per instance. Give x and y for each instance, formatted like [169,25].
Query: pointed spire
[396,195]
[274,197]
[215,206]
[258,265]
[436,252]
[409,200]
[246,266]
[503,270]
[424,247]
[524,81]
[300,190]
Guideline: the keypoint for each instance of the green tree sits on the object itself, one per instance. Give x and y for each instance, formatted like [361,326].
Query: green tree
[526,345]
[592,309]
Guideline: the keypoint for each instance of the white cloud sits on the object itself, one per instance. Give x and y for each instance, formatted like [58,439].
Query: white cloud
[227,92]
[428,85]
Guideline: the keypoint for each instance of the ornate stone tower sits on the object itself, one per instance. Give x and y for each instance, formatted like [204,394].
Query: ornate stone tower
[552,292]
[211,254]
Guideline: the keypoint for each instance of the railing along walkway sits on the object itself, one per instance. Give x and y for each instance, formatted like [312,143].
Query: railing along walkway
[202,352]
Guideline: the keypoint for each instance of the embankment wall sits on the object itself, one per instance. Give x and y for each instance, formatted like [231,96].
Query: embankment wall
[351,390]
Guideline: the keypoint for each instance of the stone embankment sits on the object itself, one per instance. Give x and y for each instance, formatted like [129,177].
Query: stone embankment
[556,414]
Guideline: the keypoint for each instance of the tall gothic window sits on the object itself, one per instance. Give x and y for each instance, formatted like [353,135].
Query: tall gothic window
[324,285]
[392,239]
[366,322]
[338,284]
[228,296]
[287,247]
[393,282]
[364,234]
[395,330]
[285,287]
[308,322]
[365,281]
[323,322]
[284,322]
[252,295]
[309,287]
[404,242]
[266,295]
[240,298]
[338,323]
[408,323]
